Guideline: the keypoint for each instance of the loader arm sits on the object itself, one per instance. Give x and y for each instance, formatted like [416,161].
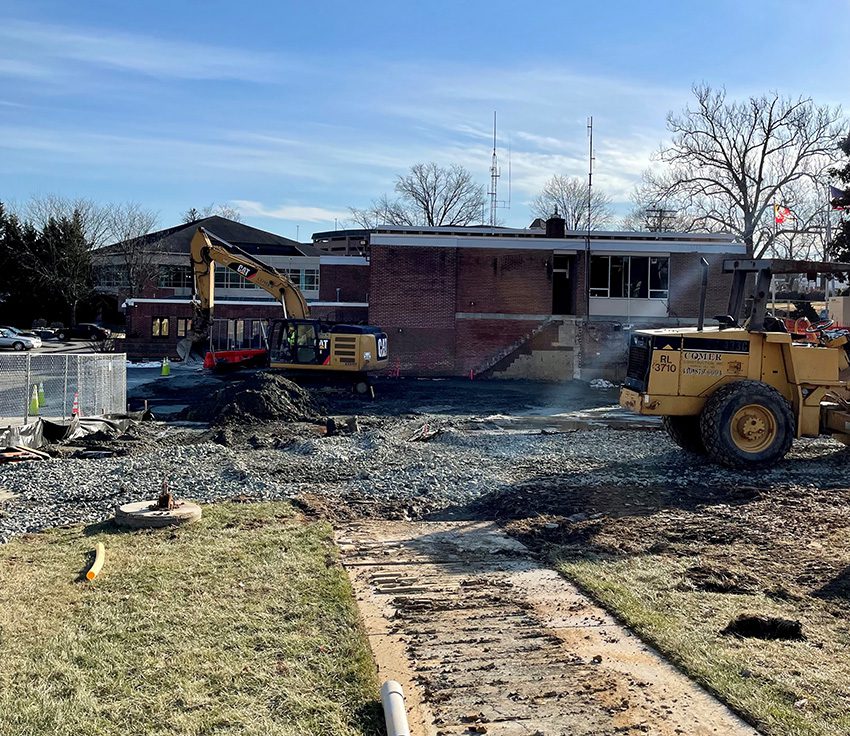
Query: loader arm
[208,249]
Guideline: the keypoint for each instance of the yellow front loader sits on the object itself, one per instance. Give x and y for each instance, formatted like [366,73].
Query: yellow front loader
[742,391]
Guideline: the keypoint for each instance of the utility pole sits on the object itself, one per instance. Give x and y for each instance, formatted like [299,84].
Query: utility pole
[589,212]
[660,214]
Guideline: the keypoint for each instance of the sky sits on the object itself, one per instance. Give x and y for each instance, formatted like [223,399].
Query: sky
[293,112]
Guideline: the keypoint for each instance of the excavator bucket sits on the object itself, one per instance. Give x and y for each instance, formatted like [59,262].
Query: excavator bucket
[190,350]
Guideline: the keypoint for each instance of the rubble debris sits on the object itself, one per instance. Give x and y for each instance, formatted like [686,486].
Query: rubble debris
[19,453]
[600,384]
[425,432]
[341,426]
[265,396]
[764,627]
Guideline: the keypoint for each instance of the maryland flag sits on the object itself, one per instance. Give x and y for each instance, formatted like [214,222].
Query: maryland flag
[781,214]
[840,200]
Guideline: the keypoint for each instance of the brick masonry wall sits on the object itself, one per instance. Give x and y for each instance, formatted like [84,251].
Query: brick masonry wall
[478,340]
[412,298]
[685,280]
[504,281]
[352,282]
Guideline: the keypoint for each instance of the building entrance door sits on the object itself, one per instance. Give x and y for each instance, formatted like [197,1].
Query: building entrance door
[563,287]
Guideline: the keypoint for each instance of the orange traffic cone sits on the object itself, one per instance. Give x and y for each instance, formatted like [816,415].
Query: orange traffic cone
[75,408]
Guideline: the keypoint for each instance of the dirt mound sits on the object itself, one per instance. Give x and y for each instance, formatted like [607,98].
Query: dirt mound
[264,396]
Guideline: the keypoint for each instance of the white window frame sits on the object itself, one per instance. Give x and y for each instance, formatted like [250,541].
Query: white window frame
[653,294]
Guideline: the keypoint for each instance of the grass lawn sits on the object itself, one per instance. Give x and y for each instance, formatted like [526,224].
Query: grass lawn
[787,688]
[241,624]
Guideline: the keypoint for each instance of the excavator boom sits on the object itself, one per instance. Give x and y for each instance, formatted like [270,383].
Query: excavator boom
[207,250]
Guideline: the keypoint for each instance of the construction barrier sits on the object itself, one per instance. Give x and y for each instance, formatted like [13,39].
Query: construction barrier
[54,384]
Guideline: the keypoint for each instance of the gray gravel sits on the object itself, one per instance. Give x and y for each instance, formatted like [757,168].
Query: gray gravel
[459,465]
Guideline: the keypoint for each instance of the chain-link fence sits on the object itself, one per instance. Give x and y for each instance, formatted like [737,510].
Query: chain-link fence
[97,384]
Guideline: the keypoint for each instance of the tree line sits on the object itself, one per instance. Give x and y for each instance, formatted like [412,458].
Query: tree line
[725,166]
[47,247]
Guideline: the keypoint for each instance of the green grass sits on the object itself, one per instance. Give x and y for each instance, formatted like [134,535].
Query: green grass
[243,623]
[762,680]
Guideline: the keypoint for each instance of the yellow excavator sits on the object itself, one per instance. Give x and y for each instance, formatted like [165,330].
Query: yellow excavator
[741,392]
[296,343]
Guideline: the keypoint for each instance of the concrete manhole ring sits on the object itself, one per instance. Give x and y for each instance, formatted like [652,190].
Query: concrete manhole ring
[146,515]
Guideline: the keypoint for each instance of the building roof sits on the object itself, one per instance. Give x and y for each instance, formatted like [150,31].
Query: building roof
[257,242]
[481,236]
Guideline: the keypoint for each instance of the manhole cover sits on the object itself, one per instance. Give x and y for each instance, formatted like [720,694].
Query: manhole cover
[145,514]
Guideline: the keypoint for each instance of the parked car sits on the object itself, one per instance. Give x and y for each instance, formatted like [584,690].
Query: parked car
[23,333]
[9,339]
[45,333]
[83,331]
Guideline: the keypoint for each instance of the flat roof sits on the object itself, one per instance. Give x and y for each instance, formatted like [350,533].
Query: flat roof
[601,241]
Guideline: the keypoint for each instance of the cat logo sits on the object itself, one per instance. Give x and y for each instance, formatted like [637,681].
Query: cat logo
[243,270]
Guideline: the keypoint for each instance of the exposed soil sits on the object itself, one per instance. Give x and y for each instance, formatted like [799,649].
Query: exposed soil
[261,396]
[789,542]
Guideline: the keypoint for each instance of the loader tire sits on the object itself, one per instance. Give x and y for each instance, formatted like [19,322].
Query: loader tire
[747,424]
[685,432]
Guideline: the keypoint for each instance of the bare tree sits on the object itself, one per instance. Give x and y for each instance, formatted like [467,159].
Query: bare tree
[567,195]
[730,161]
[428,195]
[92,216]
[650,215]
[129,224]
[213,209]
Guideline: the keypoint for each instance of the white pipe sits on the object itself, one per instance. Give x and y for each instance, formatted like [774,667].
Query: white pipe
[395,714]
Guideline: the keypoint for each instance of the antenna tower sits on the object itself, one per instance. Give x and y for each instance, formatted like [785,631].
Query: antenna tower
[495,173]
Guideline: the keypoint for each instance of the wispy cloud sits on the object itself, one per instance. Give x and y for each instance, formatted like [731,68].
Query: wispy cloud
[43,46]
[295,213]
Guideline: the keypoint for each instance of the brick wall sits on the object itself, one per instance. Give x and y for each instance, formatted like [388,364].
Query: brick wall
[412,298]
[504,281]
[478,340]
[352,282]
[685,280]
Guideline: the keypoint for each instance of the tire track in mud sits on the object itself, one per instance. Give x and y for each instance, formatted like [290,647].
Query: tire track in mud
[485,640]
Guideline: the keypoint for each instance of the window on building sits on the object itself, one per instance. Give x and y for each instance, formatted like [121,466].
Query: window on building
[633,277]
[226,278]
[311,279]
[294,275]
[175,277]
[159,327]
[184,326]
[111,276]
[599,275]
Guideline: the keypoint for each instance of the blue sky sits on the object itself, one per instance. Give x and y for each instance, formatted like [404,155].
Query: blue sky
[294,111]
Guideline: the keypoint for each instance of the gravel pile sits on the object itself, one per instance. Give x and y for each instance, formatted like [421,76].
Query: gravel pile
[457,467]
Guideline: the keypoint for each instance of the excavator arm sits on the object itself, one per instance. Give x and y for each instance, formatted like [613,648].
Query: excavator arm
[207,250]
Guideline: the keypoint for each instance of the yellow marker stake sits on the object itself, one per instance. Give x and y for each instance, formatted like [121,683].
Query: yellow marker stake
[100,554]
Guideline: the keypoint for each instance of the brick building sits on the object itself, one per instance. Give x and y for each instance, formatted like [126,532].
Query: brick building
[150,279]
[495,301]
[512,302]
